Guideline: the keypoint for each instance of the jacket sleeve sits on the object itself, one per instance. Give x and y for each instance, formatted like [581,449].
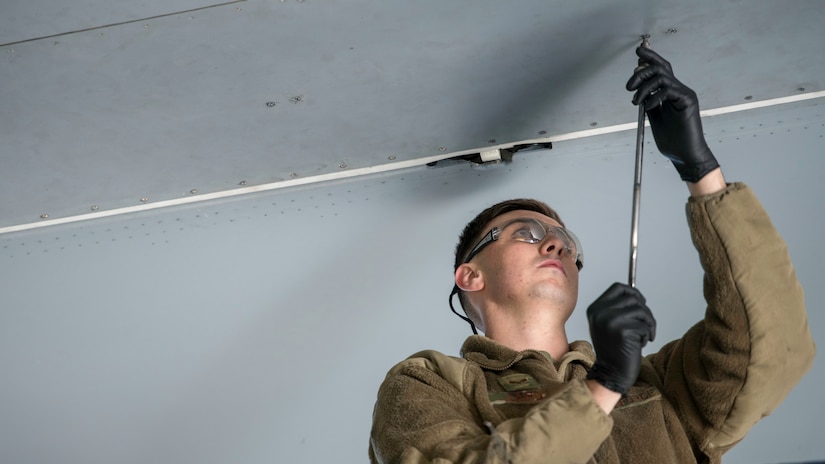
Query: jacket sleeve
[753,345]
[421,417]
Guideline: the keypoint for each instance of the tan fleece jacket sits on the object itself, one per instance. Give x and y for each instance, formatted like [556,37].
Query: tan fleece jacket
[694,399]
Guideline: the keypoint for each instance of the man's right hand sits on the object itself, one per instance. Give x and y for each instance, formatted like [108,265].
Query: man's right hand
[620,326]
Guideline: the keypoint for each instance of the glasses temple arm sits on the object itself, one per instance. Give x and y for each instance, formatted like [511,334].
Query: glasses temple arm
[466,319]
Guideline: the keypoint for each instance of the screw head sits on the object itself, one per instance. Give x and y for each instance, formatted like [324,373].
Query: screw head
[144,200]
[243,182]
[44,216]
[193,191]
[748,97]
[391,157]
[95,207]
[342,165]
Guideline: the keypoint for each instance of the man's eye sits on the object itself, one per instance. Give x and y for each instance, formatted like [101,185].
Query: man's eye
[525,235]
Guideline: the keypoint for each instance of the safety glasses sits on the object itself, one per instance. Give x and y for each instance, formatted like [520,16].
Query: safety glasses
[532,230]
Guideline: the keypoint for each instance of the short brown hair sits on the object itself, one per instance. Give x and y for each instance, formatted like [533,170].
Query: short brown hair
[475,229]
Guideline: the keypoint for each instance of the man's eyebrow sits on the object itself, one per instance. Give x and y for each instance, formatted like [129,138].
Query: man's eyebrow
[516,221]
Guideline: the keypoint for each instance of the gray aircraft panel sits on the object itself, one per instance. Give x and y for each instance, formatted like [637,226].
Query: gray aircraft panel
[257,329]
[261,92]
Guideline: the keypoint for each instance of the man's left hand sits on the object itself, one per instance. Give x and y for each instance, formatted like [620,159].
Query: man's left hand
[673,110]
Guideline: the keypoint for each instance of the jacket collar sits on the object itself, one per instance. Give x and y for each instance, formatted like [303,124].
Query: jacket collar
[492,355]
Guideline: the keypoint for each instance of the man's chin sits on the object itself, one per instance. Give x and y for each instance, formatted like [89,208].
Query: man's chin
[558,296]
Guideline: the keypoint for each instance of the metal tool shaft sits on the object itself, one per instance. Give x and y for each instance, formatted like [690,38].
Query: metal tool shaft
[637,185]
[637,196]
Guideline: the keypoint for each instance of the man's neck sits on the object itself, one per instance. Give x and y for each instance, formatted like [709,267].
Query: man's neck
[530,335]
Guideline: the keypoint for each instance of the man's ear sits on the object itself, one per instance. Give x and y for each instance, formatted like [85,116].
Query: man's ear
[468,278]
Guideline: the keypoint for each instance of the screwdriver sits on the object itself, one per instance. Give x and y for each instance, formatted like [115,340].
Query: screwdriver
[637,184]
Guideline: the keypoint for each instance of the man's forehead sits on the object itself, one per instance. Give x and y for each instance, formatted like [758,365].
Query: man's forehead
[511,215]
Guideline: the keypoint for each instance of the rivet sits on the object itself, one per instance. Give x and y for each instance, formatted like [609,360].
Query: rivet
[44,216]
[193,191]
[95,207]
[243,182]
[671,30]
[11,50]
[491,141]
[342,165]
[293,174]
[146,26]
[800,89]
[297,99]
[748,97]
[594,124]
[271,104]
[237,8]
[144,200]
[55,42]
[542,132]
[391,157]
[442,149]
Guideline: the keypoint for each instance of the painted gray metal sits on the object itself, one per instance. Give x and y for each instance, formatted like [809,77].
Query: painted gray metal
[257,330]
[154,100]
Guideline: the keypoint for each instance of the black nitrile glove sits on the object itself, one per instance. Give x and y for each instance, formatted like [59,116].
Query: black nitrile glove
[620,325]
[673,111]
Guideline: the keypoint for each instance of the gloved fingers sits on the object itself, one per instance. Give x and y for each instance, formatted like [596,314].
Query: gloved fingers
[618,290]
[647,55]
[619,296]
[676,95]
[619,306]
[655,81]
[647,81]
[640,318]
[648,61]
[623,305]
[640,329]
[655,101]
[646,324]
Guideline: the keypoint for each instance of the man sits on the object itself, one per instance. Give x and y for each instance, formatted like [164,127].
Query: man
[522,393]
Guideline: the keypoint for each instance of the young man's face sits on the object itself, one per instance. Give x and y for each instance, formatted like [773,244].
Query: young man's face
[519,274]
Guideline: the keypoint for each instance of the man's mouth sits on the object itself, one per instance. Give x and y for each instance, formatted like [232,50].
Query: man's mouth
[552,263]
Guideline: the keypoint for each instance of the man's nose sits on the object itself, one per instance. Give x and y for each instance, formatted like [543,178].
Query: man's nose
[552,244]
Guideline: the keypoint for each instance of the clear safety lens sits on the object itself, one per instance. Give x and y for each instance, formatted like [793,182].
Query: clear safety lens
[533,231]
